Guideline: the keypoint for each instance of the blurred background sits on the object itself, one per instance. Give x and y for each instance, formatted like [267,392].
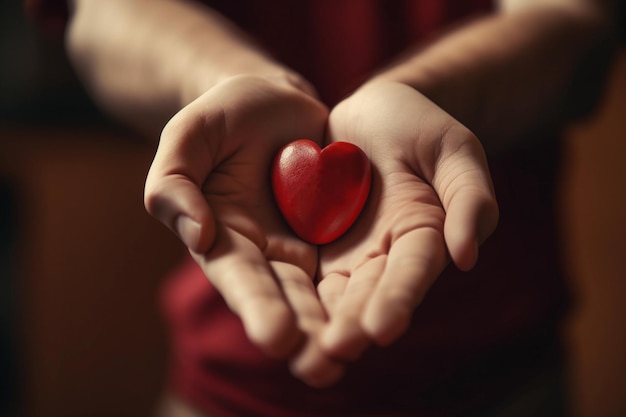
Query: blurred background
[81,262]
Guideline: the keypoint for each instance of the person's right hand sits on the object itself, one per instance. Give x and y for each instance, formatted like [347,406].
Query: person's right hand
[209,183]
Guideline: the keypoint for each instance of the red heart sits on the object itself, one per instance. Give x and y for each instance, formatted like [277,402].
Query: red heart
[320,192]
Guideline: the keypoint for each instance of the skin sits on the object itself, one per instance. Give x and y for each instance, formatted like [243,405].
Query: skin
[217,166]
[221,103]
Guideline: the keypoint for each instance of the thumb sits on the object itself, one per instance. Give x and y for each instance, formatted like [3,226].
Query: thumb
[464,185]
[179,204]
[470,218]
[173,190]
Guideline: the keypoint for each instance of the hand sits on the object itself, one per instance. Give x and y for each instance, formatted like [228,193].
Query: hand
[431,200]
[209,183]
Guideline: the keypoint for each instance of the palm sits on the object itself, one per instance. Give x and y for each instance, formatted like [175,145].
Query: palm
[394,250]
[250,238]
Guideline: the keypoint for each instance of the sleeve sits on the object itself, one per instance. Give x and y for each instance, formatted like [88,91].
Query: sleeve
[50,16]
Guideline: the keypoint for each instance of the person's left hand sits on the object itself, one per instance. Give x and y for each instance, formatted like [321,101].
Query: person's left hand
[431,200]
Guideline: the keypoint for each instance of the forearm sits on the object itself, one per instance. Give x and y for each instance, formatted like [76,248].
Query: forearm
[516,73]
[144,60]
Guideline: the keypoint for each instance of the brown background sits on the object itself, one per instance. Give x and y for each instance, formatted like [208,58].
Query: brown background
[594,220]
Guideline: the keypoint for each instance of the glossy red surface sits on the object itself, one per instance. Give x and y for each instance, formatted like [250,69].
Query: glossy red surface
[320,192]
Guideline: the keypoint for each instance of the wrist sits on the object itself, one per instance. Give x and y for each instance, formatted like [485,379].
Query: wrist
[544,57]
[202,76]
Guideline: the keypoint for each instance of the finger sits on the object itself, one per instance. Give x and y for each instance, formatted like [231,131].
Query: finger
[331,289]
[310,364]
[314,367]
[301,295]
[344,337]
[241,274]
[464,186]
[414,261]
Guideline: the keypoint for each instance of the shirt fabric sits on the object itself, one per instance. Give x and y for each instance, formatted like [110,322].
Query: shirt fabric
[476,336]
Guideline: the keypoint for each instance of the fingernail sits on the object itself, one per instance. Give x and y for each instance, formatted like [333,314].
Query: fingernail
[189,231]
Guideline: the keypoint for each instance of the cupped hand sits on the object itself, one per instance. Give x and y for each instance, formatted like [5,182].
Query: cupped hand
[209,183]
[431,201]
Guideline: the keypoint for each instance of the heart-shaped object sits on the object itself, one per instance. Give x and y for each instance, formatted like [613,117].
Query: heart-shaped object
[320,192]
